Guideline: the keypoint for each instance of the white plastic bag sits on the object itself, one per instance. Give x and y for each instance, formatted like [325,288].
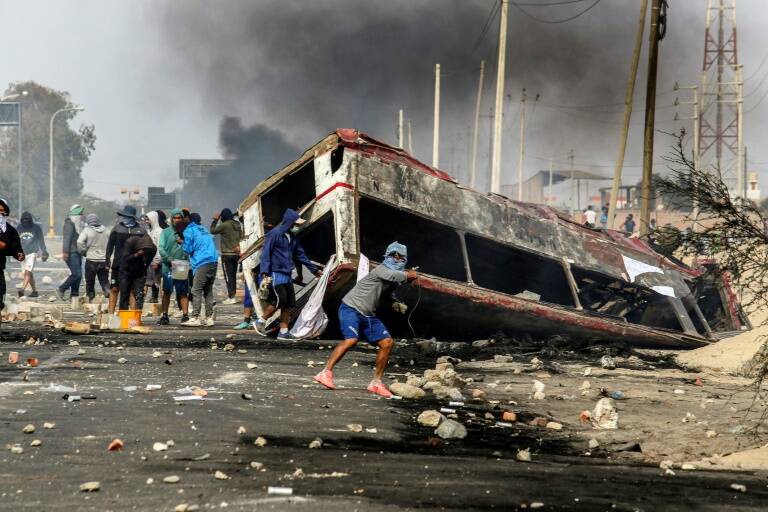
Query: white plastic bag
[312,320]
[363,267]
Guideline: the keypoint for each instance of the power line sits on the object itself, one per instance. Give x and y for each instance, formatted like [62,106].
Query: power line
[488,22]
[549,4]
[554,22]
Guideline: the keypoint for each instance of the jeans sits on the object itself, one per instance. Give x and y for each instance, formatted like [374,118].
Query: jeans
[75,264]
[230,262]
[202,289]
[93,270]
[132,281]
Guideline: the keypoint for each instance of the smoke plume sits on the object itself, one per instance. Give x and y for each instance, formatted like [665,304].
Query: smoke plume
[305,68]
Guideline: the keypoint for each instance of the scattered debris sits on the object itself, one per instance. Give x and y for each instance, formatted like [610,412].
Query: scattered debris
[159,447]
[258,466]
[354,427]
[316,443]
[524,455]
[280,491]
[29,429]
[430,418]
[739,487]
[407,391]
[36,442]
[172,479]
[90,486]
[607,362]
[605,415]
[538,390]
[49,425]
[115,445]
[451,429]
[260,442]
[220,475]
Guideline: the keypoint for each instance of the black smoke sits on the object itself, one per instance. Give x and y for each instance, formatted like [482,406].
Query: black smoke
[305,68]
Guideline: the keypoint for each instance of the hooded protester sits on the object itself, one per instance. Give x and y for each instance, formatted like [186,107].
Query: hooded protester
[171,251]
[203,257]
[138,253]
[154,272]
[280,249]
[357,316]
[33,244]
[92,243]
[195,218]
[231,231]
[10,245]
[126,227]
[70,254]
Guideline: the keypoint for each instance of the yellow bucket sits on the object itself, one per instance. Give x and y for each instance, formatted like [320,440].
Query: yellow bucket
[129,318]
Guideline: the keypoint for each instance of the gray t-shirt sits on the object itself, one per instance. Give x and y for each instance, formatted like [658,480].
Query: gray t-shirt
[365,296]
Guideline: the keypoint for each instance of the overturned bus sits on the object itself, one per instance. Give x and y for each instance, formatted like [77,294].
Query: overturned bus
[487,264]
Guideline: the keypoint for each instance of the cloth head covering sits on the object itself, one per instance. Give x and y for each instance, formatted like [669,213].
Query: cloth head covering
[195,217]
[4,218]
[390,262]
[92,220]
[162,219]
[76,209]
[26,220]
[177,211]
[4,203]
[226,214]
[398,248]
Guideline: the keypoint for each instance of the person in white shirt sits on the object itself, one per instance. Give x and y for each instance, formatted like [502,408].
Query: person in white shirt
[590,216]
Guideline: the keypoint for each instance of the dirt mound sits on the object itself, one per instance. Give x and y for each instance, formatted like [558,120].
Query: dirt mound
[754,460]
[739,355]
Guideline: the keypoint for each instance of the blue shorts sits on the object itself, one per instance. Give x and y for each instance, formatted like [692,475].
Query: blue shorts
[354,324]
[170,284]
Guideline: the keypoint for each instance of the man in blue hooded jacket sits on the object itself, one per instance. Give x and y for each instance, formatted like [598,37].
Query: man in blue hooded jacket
[281,247]
[198,244]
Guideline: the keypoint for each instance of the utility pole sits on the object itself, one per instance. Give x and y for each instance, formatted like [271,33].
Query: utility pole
[475,135]
[696,138]
[741,179]
[650,119]
[628,97]
[436,131]
[522,148]
[499,105]
[573,183]
[400,128]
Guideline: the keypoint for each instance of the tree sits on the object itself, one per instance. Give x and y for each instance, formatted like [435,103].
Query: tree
[72,149]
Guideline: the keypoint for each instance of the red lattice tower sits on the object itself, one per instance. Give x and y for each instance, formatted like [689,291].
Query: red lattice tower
[719,119]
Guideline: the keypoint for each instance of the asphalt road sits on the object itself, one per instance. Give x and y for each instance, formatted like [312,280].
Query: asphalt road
[399,465]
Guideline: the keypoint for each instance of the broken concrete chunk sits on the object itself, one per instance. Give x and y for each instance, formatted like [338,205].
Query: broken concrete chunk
[415,380]
[407,391]
[451,429]
[524,455]
[605,415]
[29,429]
[354,427]
[122,360]
[220,475]
[430,418]
[258,466]
[36,442]
[159,447]
[251,366]
[316,443]
[172,479]
[538,390]
[739,487]
[509,416]
[260,442]
[90,486]
[553,425]
[240,430]
[49,425]
[17,449]
[593,443]
[607,362]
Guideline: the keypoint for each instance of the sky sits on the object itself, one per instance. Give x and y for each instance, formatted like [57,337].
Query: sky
[157,76]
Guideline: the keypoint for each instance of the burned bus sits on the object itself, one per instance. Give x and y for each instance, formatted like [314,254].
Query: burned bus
[487,264]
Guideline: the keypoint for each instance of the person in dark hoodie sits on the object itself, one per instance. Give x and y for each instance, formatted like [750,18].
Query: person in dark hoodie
[280,248]
[33,244]
[92,243]
[10,245]
[126,227]
[70,253]
[138,253]
[231,232]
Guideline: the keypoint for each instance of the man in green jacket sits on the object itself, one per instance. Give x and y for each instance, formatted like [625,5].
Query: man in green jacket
[231,231]
[170,251]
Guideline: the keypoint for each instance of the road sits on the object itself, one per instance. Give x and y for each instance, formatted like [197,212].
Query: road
[399,465]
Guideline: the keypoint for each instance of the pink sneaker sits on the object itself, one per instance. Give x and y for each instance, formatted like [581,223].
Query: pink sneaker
[378,388]
[325,378]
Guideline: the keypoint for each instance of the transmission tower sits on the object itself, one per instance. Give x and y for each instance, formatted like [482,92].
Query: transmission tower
[720,121]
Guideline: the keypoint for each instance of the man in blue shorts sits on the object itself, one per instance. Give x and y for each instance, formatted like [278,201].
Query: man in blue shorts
[357,317]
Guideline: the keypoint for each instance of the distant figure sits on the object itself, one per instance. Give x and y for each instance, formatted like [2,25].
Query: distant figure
[231,231]
[70,254]
[10,245]
[126,227]
[33,244]
[628,226]
[604,217]
[92,243]
[198,244]
[155,224]
[652,226]
[590,216]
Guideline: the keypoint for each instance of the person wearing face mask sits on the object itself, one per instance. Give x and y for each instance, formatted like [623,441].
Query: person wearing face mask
[231,231]
[281,247]
[357,316]
[127,226]
[33,244]
[70,253]
[10,245]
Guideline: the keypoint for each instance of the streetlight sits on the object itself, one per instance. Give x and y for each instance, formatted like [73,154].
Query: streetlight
[18,136]
[51,230]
